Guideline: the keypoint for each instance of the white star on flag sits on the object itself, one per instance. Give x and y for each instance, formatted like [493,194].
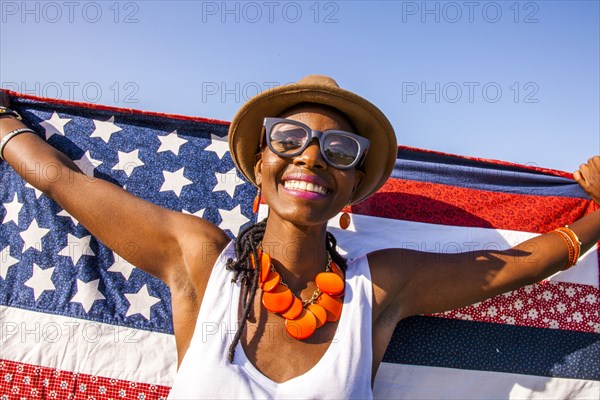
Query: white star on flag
[171,142]
[121,266]
[6,261]
[140,302]
[87,164]
[128,161]
[38,193]
[12,211]
[40,280]
[64,213]
[32,236]
[174,181]
[54,126]
[218,145]
[105,129]
[232,219]
[227,182]
[87,294]
[199,213]
[77,247]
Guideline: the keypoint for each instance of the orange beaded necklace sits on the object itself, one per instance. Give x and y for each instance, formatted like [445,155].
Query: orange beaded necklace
[302,318]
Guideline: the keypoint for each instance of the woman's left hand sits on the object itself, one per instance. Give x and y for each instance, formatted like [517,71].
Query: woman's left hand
[588,177]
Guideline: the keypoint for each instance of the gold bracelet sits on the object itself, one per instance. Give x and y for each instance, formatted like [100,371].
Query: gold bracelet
[570,248]
[573,244]
[576,242]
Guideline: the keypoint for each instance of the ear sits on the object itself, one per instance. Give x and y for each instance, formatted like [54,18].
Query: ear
[258,166]
[359,176]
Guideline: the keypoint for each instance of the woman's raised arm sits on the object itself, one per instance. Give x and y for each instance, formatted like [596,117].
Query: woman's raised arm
[412,282]
[162,242]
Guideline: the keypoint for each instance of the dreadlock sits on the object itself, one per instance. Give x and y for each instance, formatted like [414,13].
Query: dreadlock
[247,244]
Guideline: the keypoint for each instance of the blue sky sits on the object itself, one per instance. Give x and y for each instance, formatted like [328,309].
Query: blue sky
[516,81]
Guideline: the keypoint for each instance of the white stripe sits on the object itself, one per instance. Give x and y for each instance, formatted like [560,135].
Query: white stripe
[87,347]
[375,233]
[399,381]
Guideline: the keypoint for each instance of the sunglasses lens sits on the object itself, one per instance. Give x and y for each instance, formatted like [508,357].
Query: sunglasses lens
[340,150]
[287,138]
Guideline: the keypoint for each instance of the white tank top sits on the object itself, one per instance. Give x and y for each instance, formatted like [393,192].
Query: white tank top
[344,371]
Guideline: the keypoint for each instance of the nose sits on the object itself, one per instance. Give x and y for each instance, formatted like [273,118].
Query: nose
[311,157]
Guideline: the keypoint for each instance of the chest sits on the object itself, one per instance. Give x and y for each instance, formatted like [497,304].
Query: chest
[274,353]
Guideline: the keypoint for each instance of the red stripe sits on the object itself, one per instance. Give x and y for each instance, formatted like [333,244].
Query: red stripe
[449,205]
[555,305]
[114,109]
[18,380]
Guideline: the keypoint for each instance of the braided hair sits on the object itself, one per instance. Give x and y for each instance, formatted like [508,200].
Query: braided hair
[247,244]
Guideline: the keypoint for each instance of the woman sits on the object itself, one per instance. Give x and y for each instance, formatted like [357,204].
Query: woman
[298,321]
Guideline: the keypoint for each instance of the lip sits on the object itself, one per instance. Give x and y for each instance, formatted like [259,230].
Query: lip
[300,176]
[314,179]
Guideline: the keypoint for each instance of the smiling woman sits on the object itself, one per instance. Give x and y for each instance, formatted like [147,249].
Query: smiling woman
[296,319]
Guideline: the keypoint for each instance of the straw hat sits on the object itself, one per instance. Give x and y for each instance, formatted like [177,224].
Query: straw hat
[369,121]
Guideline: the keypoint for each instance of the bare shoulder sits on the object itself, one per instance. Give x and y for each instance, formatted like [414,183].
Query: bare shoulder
[201,243]
[391,270]
[388,276]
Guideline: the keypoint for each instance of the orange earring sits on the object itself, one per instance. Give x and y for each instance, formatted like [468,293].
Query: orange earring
[344,220]
[256,202]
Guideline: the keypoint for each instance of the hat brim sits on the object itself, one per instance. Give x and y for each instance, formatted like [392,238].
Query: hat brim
[369,121]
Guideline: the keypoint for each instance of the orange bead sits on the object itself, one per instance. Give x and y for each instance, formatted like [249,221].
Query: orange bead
[272,280]
[278,300]
[256,203]
[330,283]
[320,314]
[345,221]
[294,310]
[332,306]
[335,268]
[265,267]
[303,326]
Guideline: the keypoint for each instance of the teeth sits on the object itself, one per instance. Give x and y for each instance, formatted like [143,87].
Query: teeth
[305,186]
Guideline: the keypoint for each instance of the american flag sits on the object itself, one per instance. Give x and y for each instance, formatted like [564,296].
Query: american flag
[79,322]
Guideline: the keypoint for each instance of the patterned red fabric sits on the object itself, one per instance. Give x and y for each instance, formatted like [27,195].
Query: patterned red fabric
[555,305]
[450,205]
[24,381]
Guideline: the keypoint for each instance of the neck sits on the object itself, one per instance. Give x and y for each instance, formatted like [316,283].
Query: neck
[298,252]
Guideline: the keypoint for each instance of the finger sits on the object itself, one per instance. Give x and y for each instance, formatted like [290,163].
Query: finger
[578,178]
[594,162]
[585,171]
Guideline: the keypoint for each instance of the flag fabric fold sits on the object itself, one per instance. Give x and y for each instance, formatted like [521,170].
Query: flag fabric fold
[77,321]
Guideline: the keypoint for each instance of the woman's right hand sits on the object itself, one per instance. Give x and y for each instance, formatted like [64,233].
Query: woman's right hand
[588,177]
[4,99]
[8,122]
